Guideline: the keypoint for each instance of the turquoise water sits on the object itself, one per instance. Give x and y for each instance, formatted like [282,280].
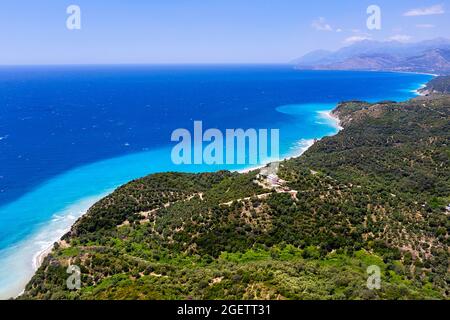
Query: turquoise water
[108,126]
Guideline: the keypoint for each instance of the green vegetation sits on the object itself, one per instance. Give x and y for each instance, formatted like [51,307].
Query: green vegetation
[374,194]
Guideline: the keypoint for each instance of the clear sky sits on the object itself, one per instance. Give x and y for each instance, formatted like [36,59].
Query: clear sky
[204,31]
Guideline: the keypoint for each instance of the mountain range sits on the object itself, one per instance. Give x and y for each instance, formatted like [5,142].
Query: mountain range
[430,56]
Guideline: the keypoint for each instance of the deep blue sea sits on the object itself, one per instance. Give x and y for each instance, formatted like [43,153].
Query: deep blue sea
[71,134]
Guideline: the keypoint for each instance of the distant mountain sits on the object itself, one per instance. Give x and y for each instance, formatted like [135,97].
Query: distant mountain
[313,57]
[431,56]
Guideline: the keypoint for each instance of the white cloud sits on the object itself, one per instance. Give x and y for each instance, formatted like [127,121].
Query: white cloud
[400,38]
[321,25]
[428,11]
[339,30]
[354,39]
[425,26]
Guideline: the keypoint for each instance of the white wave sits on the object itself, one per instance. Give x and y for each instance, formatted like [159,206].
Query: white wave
[330,119]
[300,147]
[16,260]
[417,91]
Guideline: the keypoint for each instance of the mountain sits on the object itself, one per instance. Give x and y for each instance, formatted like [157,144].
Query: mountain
[374,195]
[434,60]
[313,57]
[431,56]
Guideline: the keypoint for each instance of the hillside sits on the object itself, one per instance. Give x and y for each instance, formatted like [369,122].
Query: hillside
[437,85]
[431,56]
[374,194]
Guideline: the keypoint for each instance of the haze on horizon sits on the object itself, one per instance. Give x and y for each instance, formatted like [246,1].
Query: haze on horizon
[200,31]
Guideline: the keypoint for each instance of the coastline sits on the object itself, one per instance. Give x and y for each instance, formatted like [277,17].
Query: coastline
[29,254]
[414,72]
[38,259]
[419,91]
[85,204]
[303,146]
[332,118]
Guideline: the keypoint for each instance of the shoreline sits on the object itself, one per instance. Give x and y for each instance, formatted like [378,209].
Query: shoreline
[414,72]
[304,145]
[39,257]
[302,149]
[336,122]
[86,204]
[358,70]
[334,119]
[31,252]
[423,85]
[419,91]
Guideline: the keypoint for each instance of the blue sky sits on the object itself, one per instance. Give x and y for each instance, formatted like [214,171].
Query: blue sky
[204,31]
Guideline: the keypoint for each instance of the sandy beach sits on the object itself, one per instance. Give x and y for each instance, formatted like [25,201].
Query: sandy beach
[74,213]
[304,144]
[328,115]
[38,259]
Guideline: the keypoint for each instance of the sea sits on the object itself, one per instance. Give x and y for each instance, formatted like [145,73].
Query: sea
[70,135]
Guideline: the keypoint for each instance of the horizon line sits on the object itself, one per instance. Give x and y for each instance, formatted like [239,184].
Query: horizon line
[148,64]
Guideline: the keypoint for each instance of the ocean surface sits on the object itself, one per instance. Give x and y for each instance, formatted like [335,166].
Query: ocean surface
[70,135]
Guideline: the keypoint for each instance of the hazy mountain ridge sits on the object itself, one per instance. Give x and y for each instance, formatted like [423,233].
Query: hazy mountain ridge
[432,56]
